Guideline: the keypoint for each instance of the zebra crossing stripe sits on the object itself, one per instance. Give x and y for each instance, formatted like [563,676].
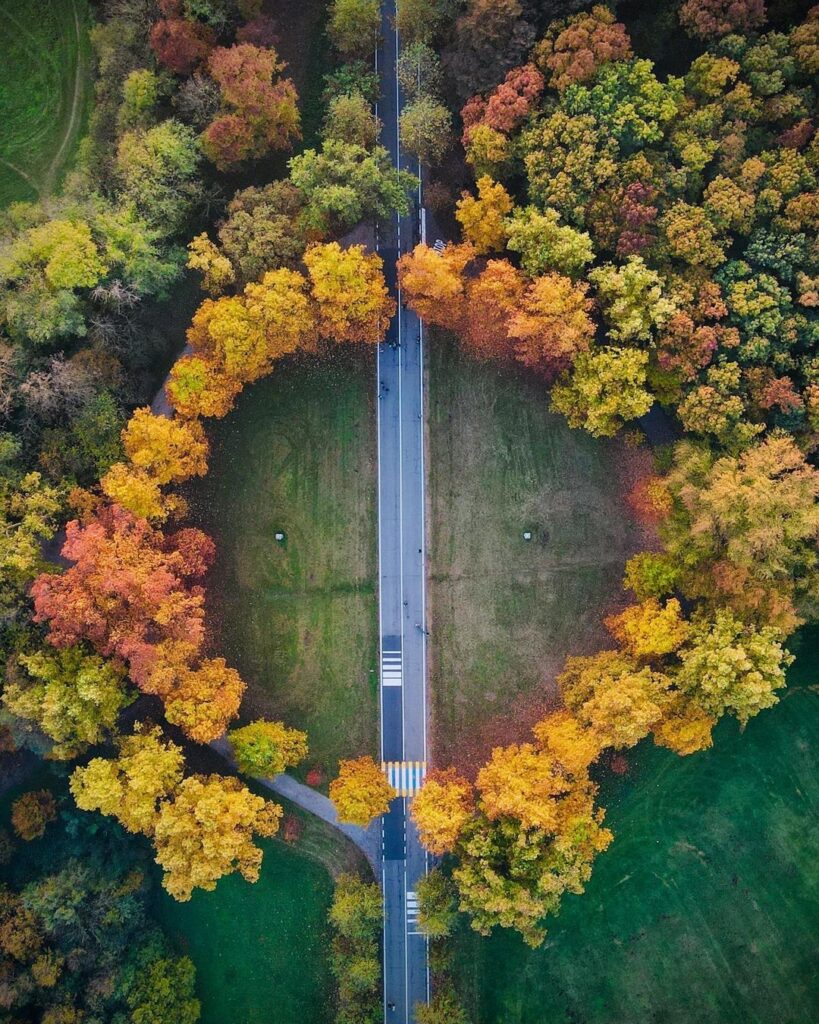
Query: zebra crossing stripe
[405,777]
[391,669]
[413,908]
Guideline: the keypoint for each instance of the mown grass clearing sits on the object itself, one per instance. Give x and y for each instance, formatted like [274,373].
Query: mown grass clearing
[505,611]
[44,92]
[299,618]
[705,909]
[261,950]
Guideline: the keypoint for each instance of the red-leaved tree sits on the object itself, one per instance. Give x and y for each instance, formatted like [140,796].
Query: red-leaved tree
[180,45]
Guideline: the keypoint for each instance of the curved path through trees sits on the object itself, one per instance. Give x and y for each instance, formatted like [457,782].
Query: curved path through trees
[367,840]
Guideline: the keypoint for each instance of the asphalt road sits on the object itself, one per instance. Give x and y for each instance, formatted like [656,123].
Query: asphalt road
[401,547]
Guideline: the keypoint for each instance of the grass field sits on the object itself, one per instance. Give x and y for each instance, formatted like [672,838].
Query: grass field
[299,619]
[261,950]
[44,92]
[705,909]
[504,611]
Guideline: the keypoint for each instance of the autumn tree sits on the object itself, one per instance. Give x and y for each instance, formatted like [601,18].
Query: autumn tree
[357,909]
[633,299]
[573,49]
[728,666]
[354,26]
[437,904]
[28,516]
[513,873]
[612,696]
[482,218]
[491,37]
[508,105]
[419,20]
[441,809]
[705,19]
[443,1008]
[350,118]
[568,159]
[201,700]
[72,696]
[544,244]
[267,748]
[433,282]
[137,492]
[345,183]
[260,114]
[567,741]
[351,296]
[31,813]
[425,129]
[745,528]
[649,630]
[130,593]
[245,334]
[492,299]
[199,386]
[522,782]
[206,831]
[216,269]
[361,791]
[128,589]
[419,70]
[690,236]
[159,173]
[129,787]
[629,100]
[552,328]
[180,44]
[169,450]
[651,574]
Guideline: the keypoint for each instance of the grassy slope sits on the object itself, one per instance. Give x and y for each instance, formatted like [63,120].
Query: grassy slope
[299,619]
[44,92]
[705,909]
[506,612]
[261,950]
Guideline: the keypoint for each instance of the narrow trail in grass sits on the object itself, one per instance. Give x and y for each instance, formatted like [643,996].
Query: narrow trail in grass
[19,171]
[76,105]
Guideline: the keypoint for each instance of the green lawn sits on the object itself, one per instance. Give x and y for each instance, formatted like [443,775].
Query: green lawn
[504,611]
[705,909]
[299,619]
[44,92]
[261,950]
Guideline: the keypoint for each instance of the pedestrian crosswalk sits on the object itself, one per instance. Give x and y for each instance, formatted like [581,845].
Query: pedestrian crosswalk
[405,777]
[391,668]
[412,909]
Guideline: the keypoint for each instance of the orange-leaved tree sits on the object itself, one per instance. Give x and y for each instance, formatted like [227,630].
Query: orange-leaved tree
[131,591]
[434,282]
[492,298]
[552,326]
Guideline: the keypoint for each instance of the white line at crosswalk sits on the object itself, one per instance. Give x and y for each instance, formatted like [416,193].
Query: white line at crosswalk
[405,777]
[391,669]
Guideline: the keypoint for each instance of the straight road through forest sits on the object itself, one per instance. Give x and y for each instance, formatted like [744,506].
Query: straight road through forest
[401,556]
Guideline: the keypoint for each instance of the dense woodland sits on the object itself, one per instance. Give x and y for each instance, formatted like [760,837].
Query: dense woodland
[632,234]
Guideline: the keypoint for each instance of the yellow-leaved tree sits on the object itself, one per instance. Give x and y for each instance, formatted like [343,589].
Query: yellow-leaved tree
[361,791]
[441,808]
[351,296]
